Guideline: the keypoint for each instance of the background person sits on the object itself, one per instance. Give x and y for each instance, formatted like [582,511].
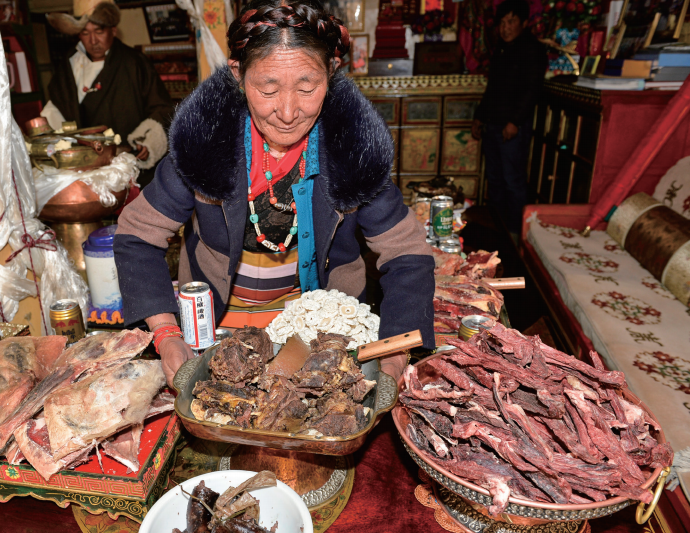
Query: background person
[105,82]
[503,119]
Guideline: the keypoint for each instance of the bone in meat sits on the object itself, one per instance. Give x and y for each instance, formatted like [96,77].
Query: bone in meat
[85,357]
[124,447]
[99,406]
[14,455]
[33,441]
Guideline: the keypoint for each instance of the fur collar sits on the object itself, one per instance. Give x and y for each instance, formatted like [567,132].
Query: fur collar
[207,143]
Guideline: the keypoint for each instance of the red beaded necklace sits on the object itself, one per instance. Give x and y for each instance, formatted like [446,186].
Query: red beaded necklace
[254,218]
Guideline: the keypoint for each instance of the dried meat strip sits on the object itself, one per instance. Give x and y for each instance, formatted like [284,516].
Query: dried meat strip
[604,439]
[440,423]
[442,407]
[555,357]
[529,402]
[452,373]
[414,387]
[570,440]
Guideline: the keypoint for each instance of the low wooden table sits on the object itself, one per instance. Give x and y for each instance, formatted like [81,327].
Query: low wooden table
[382,500]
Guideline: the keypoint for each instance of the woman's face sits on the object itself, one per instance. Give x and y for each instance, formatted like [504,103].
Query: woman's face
[285,92]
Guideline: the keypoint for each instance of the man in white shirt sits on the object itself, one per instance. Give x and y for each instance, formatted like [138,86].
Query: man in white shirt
[105,82]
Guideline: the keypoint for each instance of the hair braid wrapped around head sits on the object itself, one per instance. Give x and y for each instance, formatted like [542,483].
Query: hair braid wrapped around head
[267,24]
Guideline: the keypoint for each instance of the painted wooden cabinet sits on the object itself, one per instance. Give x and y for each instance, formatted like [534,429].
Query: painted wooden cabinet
[430,119]
[583,137]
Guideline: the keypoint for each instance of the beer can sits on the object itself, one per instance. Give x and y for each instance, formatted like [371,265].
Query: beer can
[196,315]
[431,241]
[66,319]
[450,247]
[469,325]
[441,216]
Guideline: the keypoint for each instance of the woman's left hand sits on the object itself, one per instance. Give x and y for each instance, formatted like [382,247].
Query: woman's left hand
[394,365]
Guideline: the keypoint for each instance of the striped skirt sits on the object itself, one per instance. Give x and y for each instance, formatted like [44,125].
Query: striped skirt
[263,283]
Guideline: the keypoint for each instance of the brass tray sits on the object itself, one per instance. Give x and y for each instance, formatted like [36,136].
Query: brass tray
[381,400]
[536,512]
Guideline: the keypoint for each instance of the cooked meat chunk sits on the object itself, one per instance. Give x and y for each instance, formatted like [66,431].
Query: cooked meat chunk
[280,410]
[243,356]
[323,397]
[328,367]
[258,339]
[338,415]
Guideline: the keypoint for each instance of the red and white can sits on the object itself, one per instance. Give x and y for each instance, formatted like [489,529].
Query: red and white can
[196,315]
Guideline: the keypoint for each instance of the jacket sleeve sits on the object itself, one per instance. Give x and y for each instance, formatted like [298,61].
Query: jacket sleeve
[141,243]
[405,262]
[534,70]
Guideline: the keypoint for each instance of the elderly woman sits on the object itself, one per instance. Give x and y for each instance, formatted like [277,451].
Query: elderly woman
[277,161]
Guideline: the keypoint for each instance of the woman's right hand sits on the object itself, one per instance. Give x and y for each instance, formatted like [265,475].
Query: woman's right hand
[174,351]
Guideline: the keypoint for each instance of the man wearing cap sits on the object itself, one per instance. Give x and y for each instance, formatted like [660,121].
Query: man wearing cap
[105,82]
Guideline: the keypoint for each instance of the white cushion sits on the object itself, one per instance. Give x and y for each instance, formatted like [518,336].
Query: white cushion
[673,189]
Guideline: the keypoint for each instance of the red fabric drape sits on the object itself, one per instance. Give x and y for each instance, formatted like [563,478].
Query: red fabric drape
[645,152]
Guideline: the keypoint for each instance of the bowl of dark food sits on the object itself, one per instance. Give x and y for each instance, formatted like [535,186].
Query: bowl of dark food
[308,398]
[526,434]
[231,501]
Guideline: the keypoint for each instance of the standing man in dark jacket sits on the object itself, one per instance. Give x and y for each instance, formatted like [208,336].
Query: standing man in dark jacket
[504,117]
[104,81]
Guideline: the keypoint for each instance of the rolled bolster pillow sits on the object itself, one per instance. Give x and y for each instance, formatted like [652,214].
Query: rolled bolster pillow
[658,237]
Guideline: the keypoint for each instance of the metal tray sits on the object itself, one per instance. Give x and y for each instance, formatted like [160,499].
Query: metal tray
[536,511]
[381,400]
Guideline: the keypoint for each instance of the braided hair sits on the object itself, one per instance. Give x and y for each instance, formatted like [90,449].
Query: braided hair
[265,25]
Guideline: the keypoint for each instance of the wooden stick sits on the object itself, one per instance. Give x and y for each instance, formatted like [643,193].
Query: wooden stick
[502,284]
[377,349]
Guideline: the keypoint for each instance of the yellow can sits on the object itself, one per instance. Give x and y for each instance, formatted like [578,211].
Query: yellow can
[66,319]
[470,325]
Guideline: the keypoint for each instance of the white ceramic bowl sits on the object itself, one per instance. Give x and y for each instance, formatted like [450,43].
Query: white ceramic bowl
[281,504]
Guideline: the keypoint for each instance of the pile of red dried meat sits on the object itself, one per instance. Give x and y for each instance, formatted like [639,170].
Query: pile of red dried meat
[459,296]
[460,290]
[520,418]
[63,404]
[481,264]
[320,394]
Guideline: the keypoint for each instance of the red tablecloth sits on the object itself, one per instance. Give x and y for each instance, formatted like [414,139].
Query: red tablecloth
[382,500]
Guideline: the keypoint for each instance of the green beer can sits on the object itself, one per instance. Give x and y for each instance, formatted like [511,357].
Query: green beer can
[441,215]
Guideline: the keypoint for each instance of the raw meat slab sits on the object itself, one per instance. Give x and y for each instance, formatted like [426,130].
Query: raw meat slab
[99,406]
[84,358]
[23,361]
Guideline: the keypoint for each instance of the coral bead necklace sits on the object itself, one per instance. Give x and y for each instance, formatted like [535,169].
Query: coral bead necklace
[254,218]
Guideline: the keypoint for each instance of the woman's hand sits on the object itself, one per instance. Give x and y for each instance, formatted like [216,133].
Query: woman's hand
[394,365]
[174,352]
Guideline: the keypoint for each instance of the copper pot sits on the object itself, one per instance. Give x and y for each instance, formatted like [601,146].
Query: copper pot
[37,126]
[78,203]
